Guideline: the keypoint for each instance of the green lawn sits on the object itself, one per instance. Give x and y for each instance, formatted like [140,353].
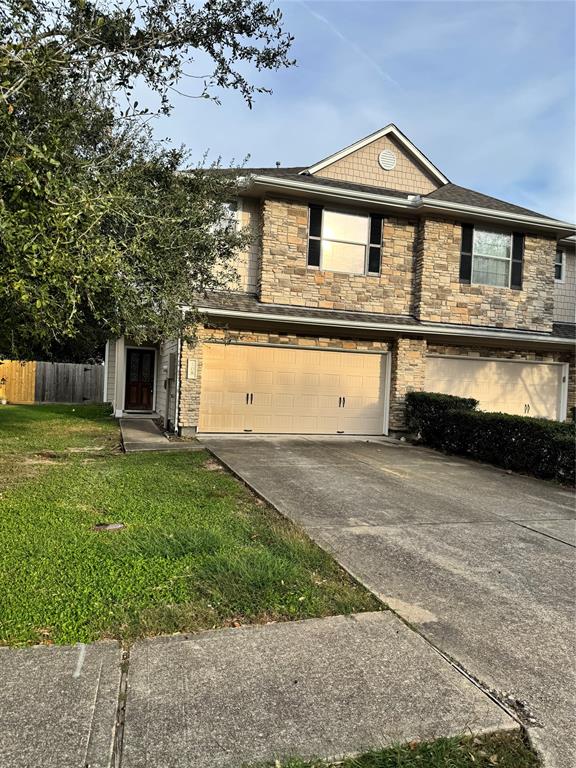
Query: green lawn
[198,549]
[494,750]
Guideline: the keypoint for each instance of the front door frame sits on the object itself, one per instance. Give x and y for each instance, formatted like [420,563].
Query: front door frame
[128,347]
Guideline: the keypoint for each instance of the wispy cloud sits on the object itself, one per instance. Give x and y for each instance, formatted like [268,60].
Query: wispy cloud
[358,50]
[487,92]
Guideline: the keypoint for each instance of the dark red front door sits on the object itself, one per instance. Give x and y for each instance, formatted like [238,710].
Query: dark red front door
[139,380]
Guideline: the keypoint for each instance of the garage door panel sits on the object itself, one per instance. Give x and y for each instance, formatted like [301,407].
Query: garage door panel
[293,390]
[507,386]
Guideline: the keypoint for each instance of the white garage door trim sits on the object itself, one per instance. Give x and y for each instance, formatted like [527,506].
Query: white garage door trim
[309,347]
[563,394]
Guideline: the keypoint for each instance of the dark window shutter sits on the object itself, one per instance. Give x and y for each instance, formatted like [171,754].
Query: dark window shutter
[314,253]
[314,234]
[374,260]
[466,253]
[315,229]
[517,261]
[375,245]
[375,229]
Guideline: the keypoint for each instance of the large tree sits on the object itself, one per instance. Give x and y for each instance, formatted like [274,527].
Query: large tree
[100,228]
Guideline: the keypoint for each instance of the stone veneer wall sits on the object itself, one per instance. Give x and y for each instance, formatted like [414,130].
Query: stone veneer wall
[407,375]
[419,274]
[286,278]
[444,299]
[362,167]
[190,388]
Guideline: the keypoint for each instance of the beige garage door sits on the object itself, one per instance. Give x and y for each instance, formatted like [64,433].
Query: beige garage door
[527,389]
[278,390]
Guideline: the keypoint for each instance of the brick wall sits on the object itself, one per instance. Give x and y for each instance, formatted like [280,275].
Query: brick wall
[286,279]
[362,167]
[444,299]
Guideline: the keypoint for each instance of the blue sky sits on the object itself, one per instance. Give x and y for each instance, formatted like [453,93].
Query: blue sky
[486,90]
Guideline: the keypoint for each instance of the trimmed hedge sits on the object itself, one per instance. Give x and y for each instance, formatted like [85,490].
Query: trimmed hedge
[538,447]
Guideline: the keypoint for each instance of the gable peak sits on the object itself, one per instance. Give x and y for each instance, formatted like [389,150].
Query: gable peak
[386,158]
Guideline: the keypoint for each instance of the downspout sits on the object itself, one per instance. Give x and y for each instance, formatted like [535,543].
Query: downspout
[177,393]
[106,355]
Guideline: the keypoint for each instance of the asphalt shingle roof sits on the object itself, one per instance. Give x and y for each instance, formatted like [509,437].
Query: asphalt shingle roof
[344,185]
[564,330]
[248,302]
[245,302]
[448,192]
[452,193]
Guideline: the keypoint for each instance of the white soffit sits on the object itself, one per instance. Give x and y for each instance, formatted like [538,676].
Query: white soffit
[389,130]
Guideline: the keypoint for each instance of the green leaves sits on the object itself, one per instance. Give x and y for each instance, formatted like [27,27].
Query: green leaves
[97,229]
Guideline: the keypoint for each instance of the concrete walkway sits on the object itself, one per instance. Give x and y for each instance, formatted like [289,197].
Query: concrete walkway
[322,687]
[225,698]
[58,706]
[481,562]
[145,435]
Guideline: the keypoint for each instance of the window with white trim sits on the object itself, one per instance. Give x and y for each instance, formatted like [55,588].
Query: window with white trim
[559,266]
[230,214]
[229,217]
[344,242]
[491,257]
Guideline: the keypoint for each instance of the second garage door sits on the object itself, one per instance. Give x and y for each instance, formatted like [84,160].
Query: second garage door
[288,390]
[507,386]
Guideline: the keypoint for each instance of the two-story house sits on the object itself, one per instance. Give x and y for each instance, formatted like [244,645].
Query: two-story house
[370,274]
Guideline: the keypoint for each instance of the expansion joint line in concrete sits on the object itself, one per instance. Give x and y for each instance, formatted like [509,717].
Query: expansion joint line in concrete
[118,741]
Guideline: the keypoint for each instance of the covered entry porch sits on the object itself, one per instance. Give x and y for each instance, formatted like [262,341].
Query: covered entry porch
[141,379]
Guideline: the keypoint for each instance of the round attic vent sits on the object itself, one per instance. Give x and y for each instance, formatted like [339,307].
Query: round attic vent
[387,159]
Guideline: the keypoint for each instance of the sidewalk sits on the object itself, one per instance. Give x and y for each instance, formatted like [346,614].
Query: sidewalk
[321,687]
[145,435]
[58,705]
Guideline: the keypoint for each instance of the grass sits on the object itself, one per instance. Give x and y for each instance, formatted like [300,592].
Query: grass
[494,750]
[198,549]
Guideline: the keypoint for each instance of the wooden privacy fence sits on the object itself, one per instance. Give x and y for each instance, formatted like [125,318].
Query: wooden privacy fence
[36,382]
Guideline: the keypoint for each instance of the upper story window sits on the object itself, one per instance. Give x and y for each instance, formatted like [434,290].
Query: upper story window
[490,257]
[559,266]
[229,217]
[230,214]
[344,242]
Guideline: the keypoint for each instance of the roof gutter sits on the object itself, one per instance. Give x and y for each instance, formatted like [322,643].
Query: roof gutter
[327,191]
[415,203]
[431,204]
[416,330]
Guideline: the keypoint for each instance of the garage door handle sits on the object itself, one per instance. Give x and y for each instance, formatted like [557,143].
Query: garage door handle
[339,402]
[343,402]
[251,398]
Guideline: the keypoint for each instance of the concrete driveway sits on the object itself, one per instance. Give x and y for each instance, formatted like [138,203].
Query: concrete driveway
[479,561]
